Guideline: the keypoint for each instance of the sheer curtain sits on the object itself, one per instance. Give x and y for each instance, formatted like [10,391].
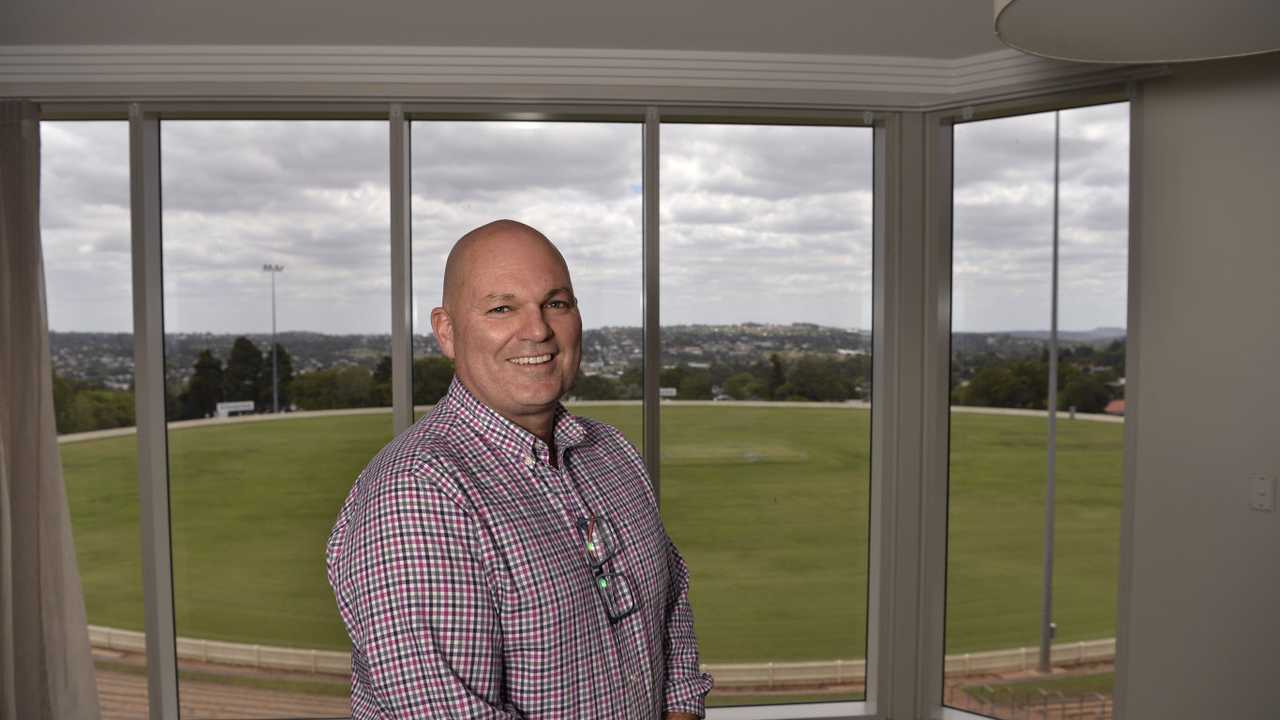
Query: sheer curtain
[46,669]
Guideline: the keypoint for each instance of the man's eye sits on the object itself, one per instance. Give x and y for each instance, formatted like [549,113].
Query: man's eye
[500,310]
[559,304]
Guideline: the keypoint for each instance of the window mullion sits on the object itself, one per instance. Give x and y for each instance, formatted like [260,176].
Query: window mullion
[149,398]
[936,404]
[401,272]
[652,337]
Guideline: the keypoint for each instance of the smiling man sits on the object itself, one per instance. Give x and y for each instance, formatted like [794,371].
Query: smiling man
[503,558]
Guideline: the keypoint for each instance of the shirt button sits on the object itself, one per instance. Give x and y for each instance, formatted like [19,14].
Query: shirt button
[529,462]
[634,679]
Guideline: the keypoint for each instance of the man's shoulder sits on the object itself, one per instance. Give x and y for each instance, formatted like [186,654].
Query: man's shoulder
[596,431]
[603,438]
[427,454]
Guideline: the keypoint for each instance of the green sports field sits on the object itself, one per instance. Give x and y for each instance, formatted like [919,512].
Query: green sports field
[769,506]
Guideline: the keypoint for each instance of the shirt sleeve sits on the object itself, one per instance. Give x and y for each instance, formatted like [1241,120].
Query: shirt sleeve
[419,608]
[686,685]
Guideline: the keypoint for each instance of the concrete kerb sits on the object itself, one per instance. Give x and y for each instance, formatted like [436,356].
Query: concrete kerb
[730,675]
[300,415]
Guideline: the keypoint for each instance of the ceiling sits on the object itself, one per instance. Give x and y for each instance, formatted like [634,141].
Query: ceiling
[938,29]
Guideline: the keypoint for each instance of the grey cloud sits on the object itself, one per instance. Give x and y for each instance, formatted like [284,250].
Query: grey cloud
[486,161]
[220,166]
[759,223]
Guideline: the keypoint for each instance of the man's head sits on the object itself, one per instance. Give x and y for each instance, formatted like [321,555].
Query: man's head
[510,321]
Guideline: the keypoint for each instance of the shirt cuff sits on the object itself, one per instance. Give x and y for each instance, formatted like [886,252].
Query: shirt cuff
[689,695]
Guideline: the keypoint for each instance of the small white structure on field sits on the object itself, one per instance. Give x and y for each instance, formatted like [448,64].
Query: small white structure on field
[233,408]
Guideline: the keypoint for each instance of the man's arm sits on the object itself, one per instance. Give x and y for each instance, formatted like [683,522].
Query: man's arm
[419,608]
[686,685]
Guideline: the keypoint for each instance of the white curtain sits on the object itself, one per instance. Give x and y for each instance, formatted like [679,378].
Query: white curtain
[46,669]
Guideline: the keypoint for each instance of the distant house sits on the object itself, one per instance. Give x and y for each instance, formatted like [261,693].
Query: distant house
[1115,407]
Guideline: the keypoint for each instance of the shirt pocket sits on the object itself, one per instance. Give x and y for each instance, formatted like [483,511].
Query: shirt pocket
[645,557]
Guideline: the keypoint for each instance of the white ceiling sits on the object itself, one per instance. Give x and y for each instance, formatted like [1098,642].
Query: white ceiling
[941,29]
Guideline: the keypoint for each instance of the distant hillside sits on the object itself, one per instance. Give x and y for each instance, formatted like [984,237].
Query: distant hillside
[1096,335]
[107,358]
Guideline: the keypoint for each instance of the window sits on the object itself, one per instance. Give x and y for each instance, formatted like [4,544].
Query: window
[270,229]
[279,229]
[84,209]
[1002,447]
[765,380]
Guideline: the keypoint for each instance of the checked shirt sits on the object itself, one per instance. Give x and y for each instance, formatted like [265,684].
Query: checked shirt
[462,578]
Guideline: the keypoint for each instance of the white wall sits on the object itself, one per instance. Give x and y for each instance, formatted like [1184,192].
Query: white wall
[1202,638]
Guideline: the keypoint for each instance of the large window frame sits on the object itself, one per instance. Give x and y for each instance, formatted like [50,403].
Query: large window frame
[911,251]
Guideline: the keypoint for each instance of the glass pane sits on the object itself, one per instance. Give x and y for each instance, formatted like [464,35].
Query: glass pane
[766,374]
[580,184]
[84,217]
[270,229]
[1000,444]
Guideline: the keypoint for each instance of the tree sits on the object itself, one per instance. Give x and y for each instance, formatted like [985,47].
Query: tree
[63,393]
[777,377]
[347,386]
[815,377]
[244,371]
[204,390]
[380,393]
[1085,392]
[80,407]
[690,383]
[1020,384]
[595,387]
[431,378]
[631,384]
[284,376]
[382,373]
[744,386]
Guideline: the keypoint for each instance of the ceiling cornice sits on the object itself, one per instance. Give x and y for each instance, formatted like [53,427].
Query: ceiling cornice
[115,71]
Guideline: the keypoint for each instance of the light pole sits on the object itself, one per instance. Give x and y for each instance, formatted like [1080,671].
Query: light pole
[1046,598]
[275,373]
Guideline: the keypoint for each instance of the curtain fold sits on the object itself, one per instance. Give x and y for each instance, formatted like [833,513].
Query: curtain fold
[46,668]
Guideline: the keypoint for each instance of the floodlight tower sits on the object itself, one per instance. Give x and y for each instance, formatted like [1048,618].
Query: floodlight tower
[275,373]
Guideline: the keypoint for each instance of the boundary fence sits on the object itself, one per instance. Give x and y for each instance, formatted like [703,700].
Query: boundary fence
[757,675]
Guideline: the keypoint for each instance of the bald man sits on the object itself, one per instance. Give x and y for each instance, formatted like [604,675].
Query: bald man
[503,558]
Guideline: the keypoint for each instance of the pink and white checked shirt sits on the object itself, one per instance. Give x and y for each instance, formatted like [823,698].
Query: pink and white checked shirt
[465,586]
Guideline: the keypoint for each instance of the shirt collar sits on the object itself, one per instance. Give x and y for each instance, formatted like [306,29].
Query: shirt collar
[568,430]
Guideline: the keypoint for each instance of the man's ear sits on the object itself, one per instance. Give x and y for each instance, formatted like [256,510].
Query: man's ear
[442,326]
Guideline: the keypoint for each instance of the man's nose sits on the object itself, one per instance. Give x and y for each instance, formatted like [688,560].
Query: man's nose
[535,327]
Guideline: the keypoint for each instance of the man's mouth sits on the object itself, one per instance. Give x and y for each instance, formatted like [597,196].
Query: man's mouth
[531,359]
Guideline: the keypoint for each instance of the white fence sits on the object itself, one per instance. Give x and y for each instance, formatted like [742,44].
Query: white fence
[759,675]
[1026,658]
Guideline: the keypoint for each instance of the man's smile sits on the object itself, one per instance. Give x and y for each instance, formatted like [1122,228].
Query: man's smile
[531,359]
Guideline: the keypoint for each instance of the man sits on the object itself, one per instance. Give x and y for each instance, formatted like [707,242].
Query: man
[503,558]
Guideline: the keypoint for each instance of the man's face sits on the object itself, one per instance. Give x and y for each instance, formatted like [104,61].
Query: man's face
[514,332]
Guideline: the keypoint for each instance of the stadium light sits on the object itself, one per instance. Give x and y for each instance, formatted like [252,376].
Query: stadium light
[275,373]
[1047,628]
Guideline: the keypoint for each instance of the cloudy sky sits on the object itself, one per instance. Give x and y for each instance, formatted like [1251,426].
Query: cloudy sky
[767,224]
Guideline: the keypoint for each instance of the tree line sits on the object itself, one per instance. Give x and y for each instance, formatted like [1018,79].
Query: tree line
[246,375]
[790,376]
[1087,378]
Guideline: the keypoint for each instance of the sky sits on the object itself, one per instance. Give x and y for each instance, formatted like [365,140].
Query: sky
[758,223]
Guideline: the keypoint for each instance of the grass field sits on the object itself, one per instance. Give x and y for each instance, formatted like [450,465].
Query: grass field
[768,505]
